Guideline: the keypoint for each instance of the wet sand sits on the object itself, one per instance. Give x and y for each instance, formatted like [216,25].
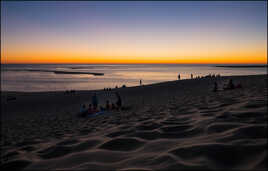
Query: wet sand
[172,125]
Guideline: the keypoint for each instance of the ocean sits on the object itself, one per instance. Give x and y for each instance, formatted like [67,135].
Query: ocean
[44,77]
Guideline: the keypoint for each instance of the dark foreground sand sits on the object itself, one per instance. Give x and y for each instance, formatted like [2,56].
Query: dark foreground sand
[172,125]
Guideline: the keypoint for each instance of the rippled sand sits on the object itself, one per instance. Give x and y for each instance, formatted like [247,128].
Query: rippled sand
[172,125]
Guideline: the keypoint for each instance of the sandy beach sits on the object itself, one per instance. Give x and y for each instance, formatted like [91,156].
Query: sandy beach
[179,124]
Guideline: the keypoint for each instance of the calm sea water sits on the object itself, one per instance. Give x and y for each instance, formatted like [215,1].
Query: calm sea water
[19,78]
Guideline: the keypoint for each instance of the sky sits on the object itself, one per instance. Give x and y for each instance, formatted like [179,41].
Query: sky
[134,32]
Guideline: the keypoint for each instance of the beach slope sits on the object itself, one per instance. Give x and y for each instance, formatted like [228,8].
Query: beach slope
[172,125]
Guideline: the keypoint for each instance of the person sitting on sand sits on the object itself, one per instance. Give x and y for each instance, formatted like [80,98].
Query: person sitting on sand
[83,110]
[119,101]
[95,100]
[113,106]
[108,105]
[215,87]
[95,110]
[90,110]
[102,108]
[239,85]
[230,85]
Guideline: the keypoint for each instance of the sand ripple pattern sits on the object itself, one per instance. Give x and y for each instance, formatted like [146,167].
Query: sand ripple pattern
[192,130]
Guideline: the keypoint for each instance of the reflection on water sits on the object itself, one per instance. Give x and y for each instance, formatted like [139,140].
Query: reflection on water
[114,75]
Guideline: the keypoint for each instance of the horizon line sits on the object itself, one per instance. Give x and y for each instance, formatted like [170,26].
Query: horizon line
[150,63]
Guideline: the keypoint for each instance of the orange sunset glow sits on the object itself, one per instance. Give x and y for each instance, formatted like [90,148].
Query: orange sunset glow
[160,34]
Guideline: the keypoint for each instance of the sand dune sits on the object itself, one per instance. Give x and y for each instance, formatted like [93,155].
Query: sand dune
[172,125]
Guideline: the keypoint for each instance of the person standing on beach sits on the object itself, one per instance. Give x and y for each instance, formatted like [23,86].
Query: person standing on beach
[191,76]
[95,101]
[119,101]
[140,83]
[179,77]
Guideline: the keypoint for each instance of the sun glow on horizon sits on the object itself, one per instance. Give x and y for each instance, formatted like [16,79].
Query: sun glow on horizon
[152,32]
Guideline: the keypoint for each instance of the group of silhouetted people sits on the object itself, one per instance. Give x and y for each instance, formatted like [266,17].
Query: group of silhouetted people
[229,86]
[112,106]
[94,108]
[108,89]
[69,92]
[198,77]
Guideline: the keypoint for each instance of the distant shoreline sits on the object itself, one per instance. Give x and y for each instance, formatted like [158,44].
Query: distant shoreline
[243,66]
[131,87]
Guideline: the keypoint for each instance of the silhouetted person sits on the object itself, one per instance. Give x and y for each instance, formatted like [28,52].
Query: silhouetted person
[239,85]
[191,76]
[108,105]
[230,85]
[95,110]
[95,101]
[179,77]
[113,106]
[102,108]
[140,82]
[90,110]
[119,101]
[83,110]
[215,87]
